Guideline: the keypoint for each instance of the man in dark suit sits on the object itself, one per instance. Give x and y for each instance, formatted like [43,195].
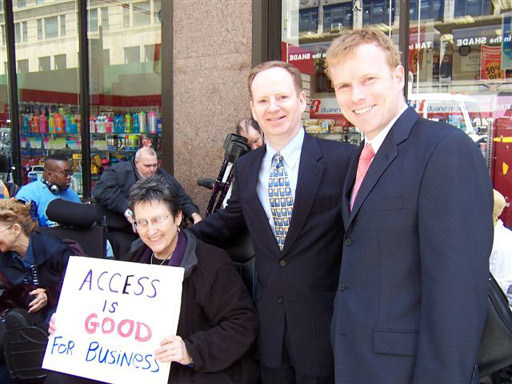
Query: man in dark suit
[411,299]
[296,268]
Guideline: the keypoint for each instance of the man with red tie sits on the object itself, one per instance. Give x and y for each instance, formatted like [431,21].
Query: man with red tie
[417,208]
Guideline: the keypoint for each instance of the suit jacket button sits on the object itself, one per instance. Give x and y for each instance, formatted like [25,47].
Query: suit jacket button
[348,242]
[342,287]
[280,300]
[282,263]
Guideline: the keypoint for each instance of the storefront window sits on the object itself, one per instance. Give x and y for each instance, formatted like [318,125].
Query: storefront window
[5,122]
[48,90]
[308,28]
[125,82]
[459,67]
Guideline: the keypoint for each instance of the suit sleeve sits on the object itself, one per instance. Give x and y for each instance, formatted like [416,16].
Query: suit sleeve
[186,203]
[218,228]
[228,307]
[455,235]
[108,193]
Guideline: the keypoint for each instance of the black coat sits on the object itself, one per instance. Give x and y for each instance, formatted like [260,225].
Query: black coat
[51,257]
[217,319]
[299,283]
[112,191]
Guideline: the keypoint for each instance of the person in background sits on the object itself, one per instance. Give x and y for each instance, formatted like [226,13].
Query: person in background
[54,184]
[250,129]
[32,264]
[4,191]
[500,262]
[218,323]
[417,211]
[296,230]
[112,192]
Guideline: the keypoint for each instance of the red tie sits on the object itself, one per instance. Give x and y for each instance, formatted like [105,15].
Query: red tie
[365,159]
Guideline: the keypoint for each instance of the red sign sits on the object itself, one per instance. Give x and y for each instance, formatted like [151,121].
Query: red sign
[299,57]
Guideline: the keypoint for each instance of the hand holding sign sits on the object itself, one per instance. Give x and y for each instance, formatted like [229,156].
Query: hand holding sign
[173,349]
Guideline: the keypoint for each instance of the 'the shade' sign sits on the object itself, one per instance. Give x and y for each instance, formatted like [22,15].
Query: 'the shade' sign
[110,319]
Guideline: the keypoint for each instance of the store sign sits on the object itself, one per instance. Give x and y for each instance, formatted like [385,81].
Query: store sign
[506,45]
[326,108]
[110,319]
[299,57]
[490,63]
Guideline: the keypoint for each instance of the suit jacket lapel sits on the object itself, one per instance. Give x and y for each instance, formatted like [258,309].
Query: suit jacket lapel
[253,173]
[385,156]
[309,180]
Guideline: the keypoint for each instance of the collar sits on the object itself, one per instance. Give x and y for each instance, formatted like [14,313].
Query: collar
[377,141]
[290,152]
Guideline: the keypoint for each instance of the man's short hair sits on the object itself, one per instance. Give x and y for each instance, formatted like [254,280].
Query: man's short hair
[292,70]
[343,47]
[150,151]
[55,157]
[243,126]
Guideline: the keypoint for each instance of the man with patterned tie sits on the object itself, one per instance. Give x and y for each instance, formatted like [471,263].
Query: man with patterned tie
[288,193]
[412,294]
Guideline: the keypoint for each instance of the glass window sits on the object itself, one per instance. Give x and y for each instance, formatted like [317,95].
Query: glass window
[39,29]
[3,34]
[378,11]
[17,32]
[104,18]
[59,61]
[131,55]
[51,28]
[63,25]
[25,31]
[126,15]
[149,53]
[44,63]
[337,17]
[308,21]
[93,20]
[23,66]
[157,6]
[125,84]
[141,13]
[49,94]
[22,3]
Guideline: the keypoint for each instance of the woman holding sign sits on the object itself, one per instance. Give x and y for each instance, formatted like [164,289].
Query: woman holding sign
[217,324]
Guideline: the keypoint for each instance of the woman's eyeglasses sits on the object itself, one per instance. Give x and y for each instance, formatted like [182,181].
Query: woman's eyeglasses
[156,222]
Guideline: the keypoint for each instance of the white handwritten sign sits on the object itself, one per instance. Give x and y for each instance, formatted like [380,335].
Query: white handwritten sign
[110,319]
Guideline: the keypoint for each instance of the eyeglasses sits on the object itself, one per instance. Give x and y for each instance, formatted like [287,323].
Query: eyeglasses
[156,222]
[63,173]
[4,228]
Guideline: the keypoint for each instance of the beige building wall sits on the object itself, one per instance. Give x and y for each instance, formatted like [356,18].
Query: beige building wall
[212,58]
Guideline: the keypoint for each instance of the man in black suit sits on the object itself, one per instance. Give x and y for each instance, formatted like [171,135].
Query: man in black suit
[296,268]
[412,294]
